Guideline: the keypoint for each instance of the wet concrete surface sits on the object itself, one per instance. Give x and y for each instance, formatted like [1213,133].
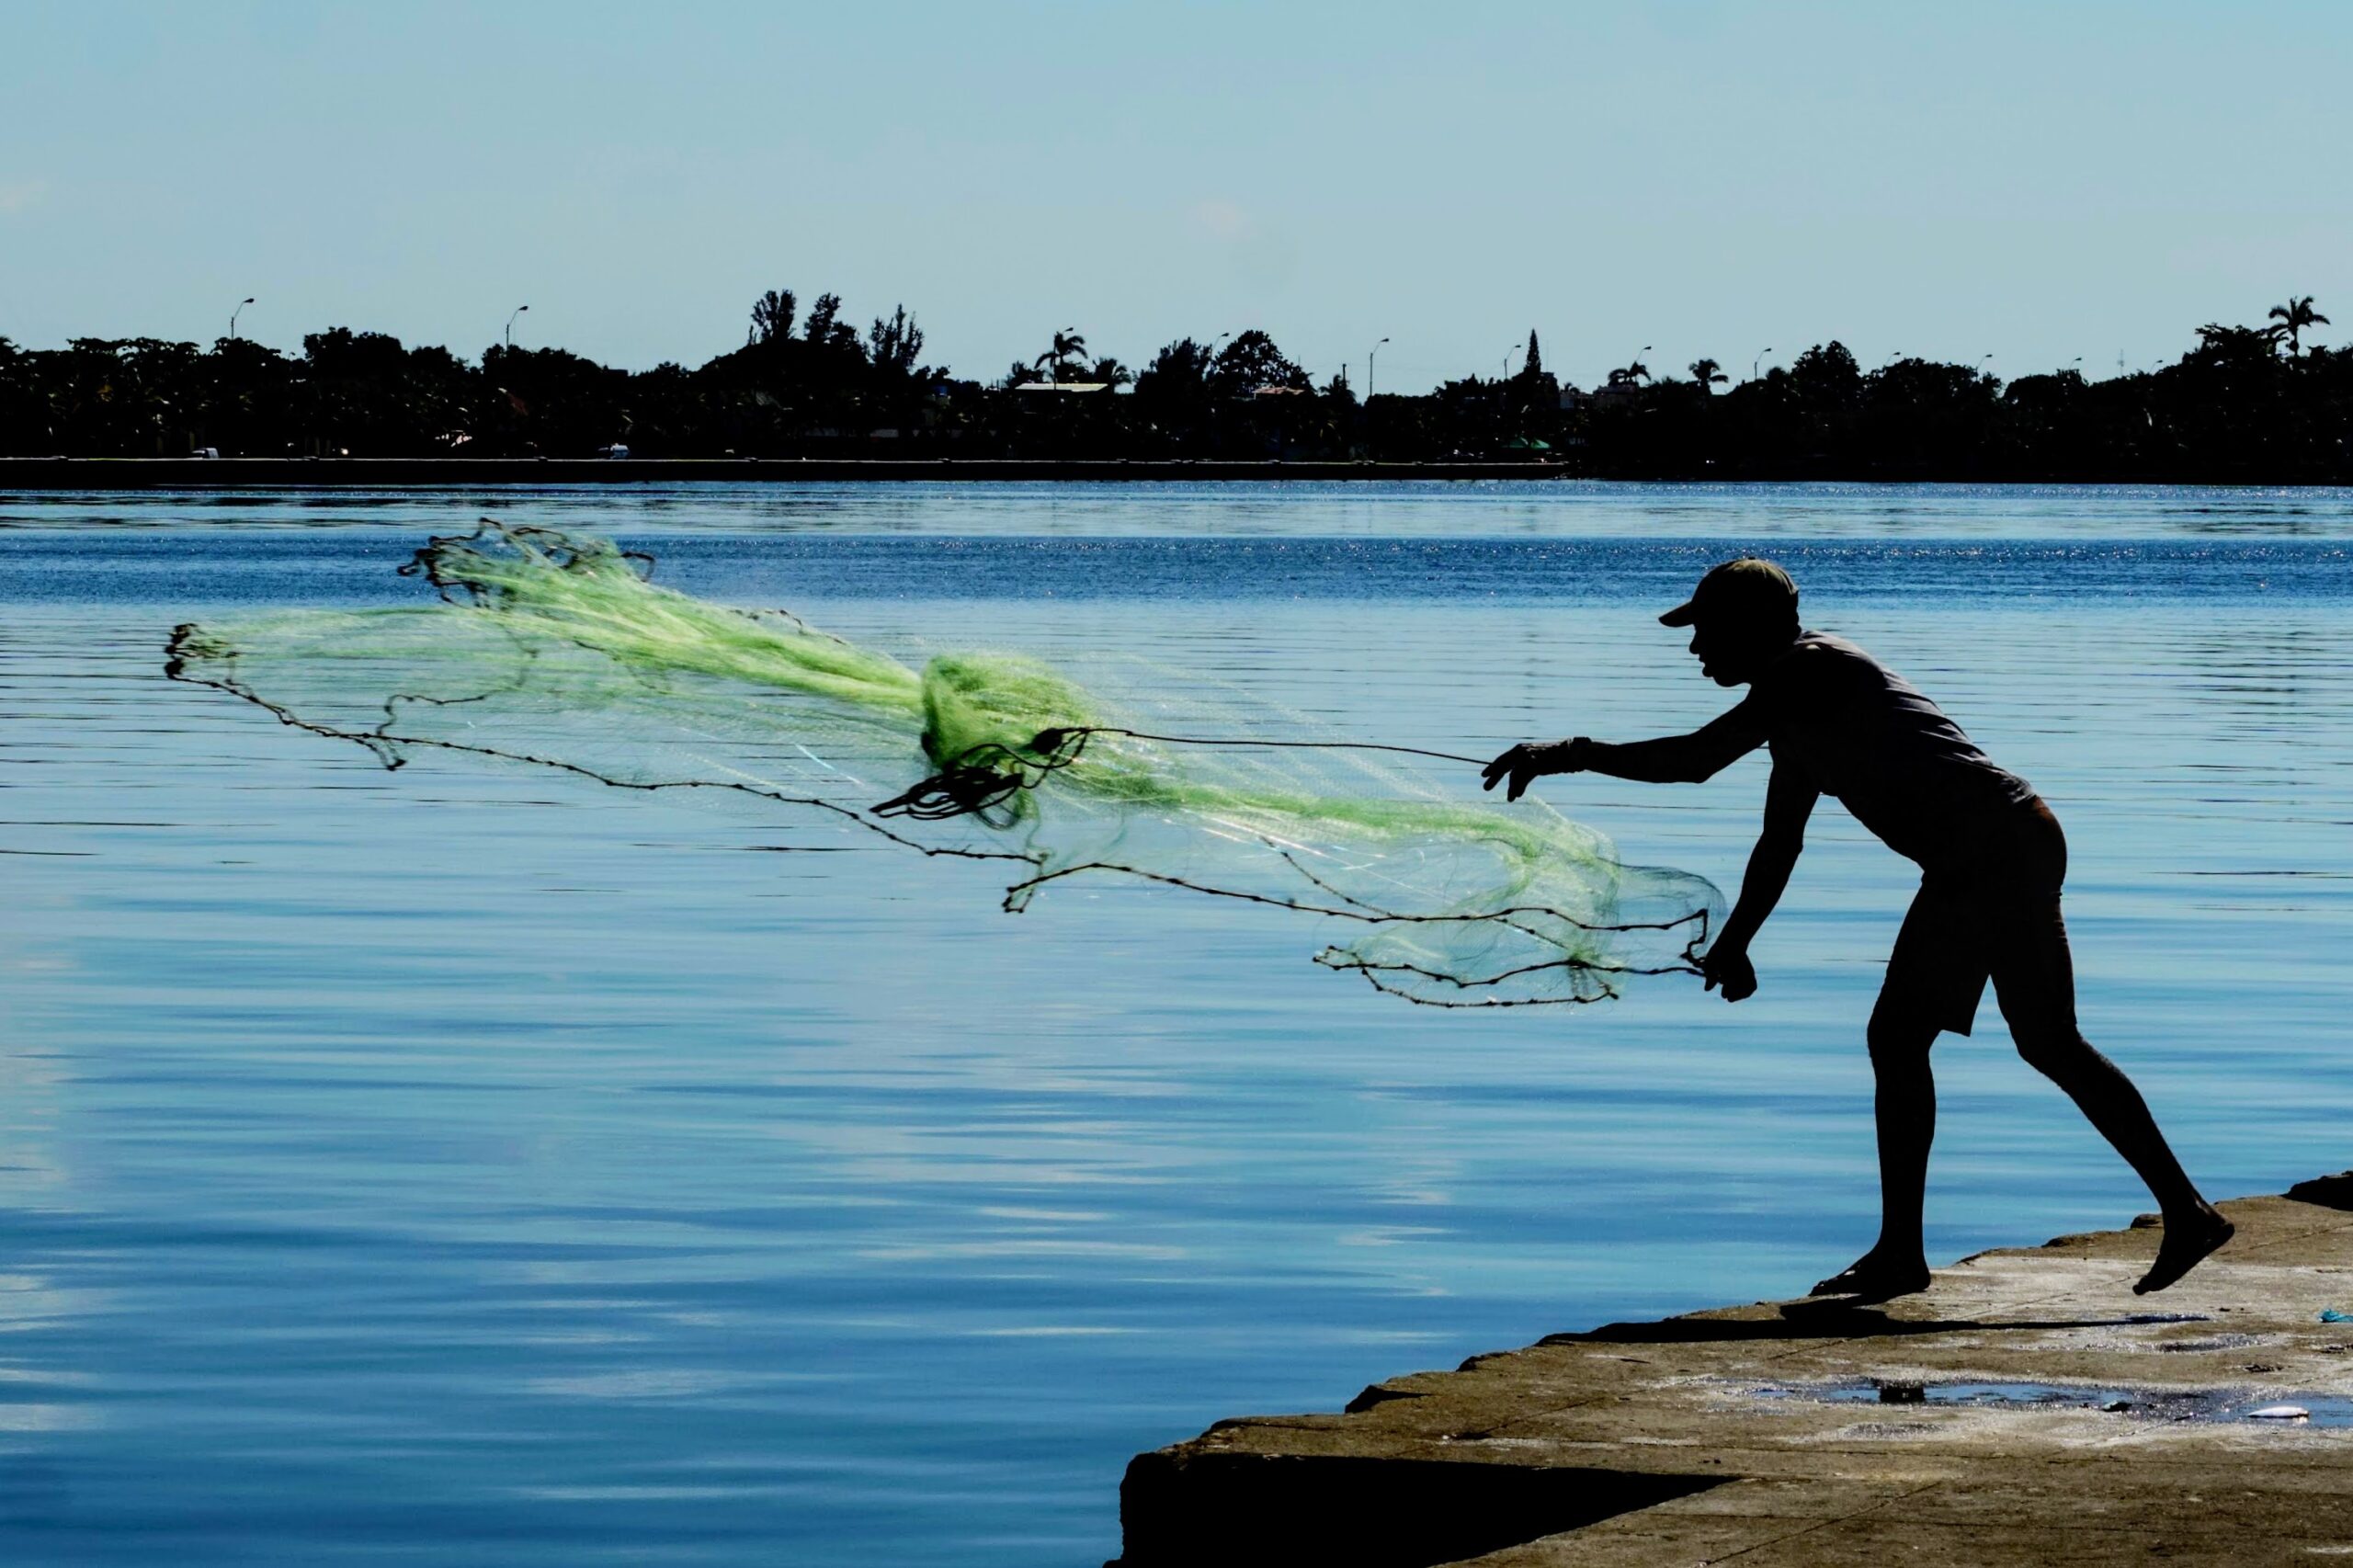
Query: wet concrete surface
[2025,1408]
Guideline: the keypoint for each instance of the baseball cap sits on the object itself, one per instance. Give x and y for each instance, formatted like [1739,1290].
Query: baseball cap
[1745,589]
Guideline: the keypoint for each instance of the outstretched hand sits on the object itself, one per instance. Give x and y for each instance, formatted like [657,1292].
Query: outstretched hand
[1525,763]
[1728,968]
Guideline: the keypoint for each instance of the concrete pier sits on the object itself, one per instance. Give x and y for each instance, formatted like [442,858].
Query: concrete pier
[2028,1408]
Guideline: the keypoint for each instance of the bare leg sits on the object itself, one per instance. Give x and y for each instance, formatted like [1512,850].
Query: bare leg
[1905,1109]
[2034,976]
[2112,1104]
[1905,1106]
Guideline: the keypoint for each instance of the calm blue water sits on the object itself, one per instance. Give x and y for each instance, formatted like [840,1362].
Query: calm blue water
[464,1167]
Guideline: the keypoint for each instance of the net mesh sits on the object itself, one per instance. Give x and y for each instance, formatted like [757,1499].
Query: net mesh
[558,651]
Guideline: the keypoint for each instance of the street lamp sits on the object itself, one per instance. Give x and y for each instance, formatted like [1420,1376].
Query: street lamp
[1504,374]
[1372,360]
[510,325]
[1753,364]
[234,315]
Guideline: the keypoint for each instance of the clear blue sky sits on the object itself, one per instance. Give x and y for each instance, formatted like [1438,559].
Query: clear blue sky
[2034,181]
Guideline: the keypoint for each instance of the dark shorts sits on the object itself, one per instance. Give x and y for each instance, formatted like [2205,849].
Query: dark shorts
[1991,911]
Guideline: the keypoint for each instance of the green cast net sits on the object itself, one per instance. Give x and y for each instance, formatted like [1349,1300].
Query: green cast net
[558,651]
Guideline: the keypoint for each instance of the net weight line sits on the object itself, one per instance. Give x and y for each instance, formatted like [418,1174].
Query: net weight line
[189,645]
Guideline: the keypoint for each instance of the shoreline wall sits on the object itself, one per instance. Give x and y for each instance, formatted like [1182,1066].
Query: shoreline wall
[380,473]
[39,474]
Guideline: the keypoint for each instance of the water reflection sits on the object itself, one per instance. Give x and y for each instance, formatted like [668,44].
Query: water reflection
[1569,508]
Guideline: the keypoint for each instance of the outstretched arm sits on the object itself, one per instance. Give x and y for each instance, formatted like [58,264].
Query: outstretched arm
[1788,801]
[1671,759]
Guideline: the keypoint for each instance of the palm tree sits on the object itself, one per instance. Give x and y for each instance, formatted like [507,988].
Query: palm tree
[2298,313]
[1707,373]
[1637,371]
[1069,344]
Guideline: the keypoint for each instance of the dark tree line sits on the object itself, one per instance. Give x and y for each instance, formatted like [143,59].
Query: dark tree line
[2256,404]
[798,383]
[2245,405]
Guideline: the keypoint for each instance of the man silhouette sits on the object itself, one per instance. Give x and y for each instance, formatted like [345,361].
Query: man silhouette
[1991,859]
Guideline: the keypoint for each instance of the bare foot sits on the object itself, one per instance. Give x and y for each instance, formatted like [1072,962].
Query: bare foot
[1875,1278]
[2188,1241]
